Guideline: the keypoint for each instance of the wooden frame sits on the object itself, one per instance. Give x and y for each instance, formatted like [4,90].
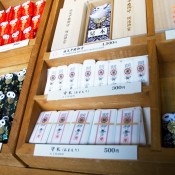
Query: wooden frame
[14,60]
[149,97]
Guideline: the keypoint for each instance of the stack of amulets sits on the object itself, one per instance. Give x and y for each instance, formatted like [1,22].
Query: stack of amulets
[20,22]
[10,87]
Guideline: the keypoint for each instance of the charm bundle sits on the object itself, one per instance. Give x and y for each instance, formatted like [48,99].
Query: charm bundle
[10,87]
[102,126]
[100,73]
[20,22]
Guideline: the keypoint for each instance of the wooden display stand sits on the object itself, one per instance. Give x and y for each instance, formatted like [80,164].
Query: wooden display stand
[149,97]
[15,60]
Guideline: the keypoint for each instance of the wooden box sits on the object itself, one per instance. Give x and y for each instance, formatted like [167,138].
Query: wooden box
[37,102]
[166,57]
[91,6]
[14,60]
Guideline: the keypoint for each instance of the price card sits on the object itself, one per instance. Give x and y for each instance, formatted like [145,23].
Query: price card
[170,34]
[122,88]
[111,152]
[14,45]
[111,44]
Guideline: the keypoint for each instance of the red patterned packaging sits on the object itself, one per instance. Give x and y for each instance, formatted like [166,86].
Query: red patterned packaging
[28,33]
[17,12]
[39,7]
[9,13]
[35,22]
[14,26]
[2,16]
[6,39]
[1,41]
[17,36]
[27,8]
[4,28]
[25,22]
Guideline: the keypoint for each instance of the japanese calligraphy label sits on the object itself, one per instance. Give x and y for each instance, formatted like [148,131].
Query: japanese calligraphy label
[123,88]
[97,32]
[170,34]
[91,48]
[14,45]
[113,152]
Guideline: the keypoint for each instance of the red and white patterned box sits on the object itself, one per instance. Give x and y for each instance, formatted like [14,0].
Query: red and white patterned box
[27,8]
[39,7]
[4,28]
[14,25]
[17,12]
[43,126]
[2,16]
[9,13]
[28,33]
[35,22]
[103,127]
[17,36]
[25,22]
[6,39]
[60,127]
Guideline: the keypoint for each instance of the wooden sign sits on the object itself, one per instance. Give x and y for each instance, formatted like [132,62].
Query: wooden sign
[129,18]
[164,14]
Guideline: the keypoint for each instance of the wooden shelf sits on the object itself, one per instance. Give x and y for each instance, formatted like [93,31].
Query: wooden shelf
[14,60]
[117,101]
[148,98]
[17,56]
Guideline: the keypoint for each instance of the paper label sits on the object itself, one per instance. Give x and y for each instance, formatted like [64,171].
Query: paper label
[91,48]
[123,88]
[97,32]
[113,152]
[14,45]
[0,146]
[170,34]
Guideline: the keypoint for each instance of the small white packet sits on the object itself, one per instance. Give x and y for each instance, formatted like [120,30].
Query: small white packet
[51,79]
[101,73]
[114,72]
[43,126]
[60,127]
[61,78]
[74,76]
[129,127]
[141,69]
[80,127]
[127,68]
[88,74]
[103,127]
